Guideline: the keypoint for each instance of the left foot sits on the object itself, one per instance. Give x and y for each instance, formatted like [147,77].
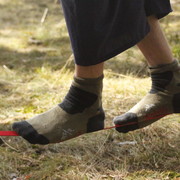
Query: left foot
[162,100]
[80,112]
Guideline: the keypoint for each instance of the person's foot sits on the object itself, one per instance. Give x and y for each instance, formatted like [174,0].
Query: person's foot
[162,100]
[80,112]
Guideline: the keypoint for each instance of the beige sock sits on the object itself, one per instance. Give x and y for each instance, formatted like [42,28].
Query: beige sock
[163,99]
[80,112]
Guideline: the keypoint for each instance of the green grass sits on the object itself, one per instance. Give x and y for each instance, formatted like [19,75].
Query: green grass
[36,76]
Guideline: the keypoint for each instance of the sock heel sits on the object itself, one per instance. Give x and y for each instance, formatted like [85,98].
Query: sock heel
[96,123]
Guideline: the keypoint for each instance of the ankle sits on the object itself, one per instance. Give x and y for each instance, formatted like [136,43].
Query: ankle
[164,77]
[84,93]
[93,71]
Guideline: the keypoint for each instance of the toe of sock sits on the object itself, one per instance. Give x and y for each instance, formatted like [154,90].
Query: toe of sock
[126,122]
[27,131]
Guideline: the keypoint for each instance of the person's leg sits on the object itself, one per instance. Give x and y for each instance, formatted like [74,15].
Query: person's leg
[80,112]
[164,96]
[154,46]
[94,71]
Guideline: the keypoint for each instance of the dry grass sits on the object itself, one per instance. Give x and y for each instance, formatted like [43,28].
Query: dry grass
[34,77]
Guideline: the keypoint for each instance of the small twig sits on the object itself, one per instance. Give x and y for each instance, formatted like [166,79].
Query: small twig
[8,145]
[44,15]
[30,160]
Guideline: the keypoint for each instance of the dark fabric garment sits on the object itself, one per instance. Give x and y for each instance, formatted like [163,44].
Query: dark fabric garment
[101,29]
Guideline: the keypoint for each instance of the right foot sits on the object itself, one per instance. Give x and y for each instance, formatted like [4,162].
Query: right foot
[80,112]
[162,100]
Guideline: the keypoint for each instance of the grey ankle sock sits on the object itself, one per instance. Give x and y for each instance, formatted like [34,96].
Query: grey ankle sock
[163,99]
[80,112]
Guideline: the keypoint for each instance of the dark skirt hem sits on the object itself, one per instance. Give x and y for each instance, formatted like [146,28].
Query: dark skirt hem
[127,46]
[160,15]
[97,37]
[113,53]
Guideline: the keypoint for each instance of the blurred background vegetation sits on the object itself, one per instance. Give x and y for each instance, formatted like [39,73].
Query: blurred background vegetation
[36,69]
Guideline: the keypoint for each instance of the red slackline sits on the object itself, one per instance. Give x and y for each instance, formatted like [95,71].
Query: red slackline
[8,133]
[13,133]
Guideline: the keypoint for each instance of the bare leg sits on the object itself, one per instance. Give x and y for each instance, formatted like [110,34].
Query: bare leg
[89,71]
[154,46]
[164,97]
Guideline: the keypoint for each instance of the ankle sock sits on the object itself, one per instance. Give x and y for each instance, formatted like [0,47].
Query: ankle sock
[163,99]
[80,112]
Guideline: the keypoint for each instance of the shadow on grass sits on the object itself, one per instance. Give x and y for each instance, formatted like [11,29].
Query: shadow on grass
[29,61]
[38,57]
